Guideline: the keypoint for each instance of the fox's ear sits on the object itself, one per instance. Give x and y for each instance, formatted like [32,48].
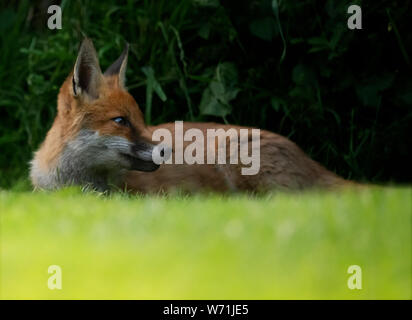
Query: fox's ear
[87,75]
[118,68]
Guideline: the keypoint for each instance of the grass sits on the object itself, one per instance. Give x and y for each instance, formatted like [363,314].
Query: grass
[206,247]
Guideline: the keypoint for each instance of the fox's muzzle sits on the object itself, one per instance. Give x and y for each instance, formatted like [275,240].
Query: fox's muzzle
[145,156]
[143,151]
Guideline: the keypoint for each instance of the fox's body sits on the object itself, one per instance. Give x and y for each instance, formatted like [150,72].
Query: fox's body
[283,165]
[99,138]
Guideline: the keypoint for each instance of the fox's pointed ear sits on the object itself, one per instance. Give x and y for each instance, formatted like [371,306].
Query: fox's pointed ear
[118,68]
[87,76]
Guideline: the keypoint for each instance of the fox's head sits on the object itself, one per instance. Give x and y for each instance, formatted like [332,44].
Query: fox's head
[99,129]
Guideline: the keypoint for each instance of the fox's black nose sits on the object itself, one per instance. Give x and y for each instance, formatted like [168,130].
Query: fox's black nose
[161,153]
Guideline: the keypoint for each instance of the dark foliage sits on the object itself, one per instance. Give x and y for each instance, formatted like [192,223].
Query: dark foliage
[293,67]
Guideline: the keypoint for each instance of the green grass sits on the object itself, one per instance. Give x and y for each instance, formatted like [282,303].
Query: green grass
[239,247]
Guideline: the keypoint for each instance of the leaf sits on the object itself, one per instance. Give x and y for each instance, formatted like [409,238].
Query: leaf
[303,75]
[318,41]
[218,89]
[369,93]
[221,90]
[296,40]
[204,31]
[151,85]
[151,80]
[275,9]
[264,29]
[210,105]
[277,103]
[207,3]
[37,84]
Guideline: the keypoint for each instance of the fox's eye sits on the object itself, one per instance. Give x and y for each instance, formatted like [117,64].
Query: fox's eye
[121,120]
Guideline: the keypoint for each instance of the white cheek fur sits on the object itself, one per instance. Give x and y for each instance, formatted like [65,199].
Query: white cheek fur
[87,159]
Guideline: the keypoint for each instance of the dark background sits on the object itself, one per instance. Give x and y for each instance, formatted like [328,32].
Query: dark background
[292,67]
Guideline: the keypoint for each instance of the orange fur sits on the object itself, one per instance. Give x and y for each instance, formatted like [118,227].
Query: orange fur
[283,165]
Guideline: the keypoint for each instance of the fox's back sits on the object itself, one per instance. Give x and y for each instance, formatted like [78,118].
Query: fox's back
[283,165]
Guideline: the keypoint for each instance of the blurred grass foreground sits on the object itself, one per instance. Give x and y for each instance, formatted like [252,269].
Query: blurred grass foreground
[206,247]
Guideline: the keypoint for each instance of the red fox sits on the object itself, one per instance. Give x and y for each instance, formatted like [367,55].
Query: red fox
[99,139]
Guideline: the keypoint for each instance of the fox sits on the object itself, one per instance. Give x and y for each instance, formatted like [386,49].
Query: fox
[99,139]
